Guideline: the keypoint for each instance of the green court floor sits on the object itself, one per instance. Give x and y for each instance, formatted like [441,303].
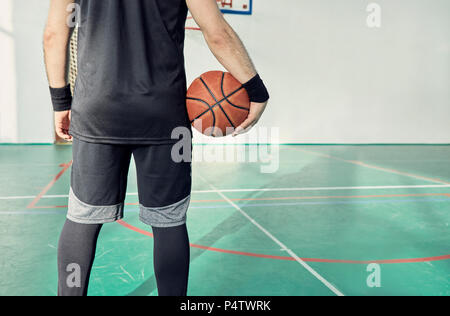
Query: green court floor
[310,228]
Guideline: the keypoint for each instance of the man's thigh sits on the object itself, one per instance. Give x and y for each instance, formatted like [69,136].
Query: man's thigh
[98,182]
[164,186]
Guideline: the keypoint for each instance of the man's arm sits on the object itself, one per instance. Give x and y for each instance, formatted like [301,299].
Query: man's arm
[229,50]
[56,41]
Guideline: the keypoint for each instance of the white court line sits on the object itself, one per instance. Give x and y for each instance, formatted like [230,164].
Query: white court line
[328,188]
[379,187]
[32,197]
[363,164]
[283,246]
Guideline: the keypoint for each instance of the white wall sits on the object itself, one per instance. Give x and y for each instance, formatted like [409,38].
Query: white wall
[25,111]
[332,79]
[8,110]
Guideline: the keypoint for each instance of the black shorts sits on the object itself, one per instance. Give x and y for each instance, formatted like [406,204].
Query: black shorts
[99,184]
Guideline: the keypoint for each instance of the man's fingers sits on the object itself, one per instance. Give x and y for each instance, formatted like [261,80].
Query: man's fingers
[64,134]
[243,127]
[60,133]
[62,124]
[247,125]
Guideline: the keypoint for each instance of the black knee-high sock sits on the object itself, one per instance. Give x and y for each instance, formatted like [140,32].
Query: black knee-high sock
[76,253]
[171,260]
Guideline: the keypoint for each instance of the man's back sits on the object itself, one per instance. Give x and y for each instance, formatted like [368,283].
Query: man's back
[131,83]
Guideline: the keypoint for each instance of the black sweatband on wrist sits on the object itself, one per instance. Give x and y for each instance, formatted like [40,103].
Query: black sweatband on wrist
[256,90]
[61,98]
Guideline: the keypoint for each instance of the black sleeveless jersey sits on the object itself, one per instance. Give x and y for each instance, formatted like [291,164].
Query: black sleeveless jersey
[131,83]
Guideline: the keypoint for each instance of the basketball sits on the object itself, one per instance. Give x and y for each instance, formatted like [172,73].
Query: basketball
[217,103]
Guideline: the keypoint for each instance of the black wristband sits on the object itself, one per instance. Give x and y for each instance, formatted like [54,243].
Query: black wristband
[256,90]
[61,98]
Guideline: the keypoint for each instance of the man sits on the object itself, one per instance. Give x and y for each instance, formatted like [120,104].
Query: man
[129,97]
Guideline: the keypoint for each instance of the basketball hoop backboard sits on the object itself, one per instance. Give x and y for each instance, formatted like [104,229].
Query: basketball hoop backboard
[236,6]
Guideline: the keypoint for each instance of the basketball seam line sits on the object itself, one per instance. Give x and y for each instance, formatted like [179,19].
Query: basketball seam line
[220,104]
[226,98]
[200,100]
[212,106]
[212,112]
[215,99]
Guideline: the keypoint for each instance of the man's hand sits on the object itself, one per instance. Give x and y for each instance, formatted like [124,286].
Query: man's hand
[256,111]
[62,124]
[229,50]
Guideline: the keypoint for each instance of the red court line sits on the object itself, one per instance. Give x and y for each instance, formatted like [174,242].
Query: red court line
[49,207]
[65,166]
[249,254]
[327,197]
[258,255]
[140,231]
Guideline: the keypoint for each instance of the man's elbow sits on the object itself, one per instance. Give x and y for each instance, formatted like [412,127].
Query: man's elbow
[55,38]
[220,37]
[49,38]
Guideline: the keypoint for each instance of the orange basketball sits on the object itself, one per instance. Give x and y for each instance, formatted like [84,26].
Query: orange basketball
[217,103]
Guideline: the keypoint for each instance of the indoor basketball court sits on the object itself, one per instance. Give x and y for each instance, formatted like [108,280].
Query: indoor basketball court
[342,189]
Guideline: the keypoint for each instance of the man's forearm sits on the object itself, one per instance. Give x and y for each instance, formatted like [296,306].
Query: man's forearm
[231,53]
[56,41]
[56,56]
